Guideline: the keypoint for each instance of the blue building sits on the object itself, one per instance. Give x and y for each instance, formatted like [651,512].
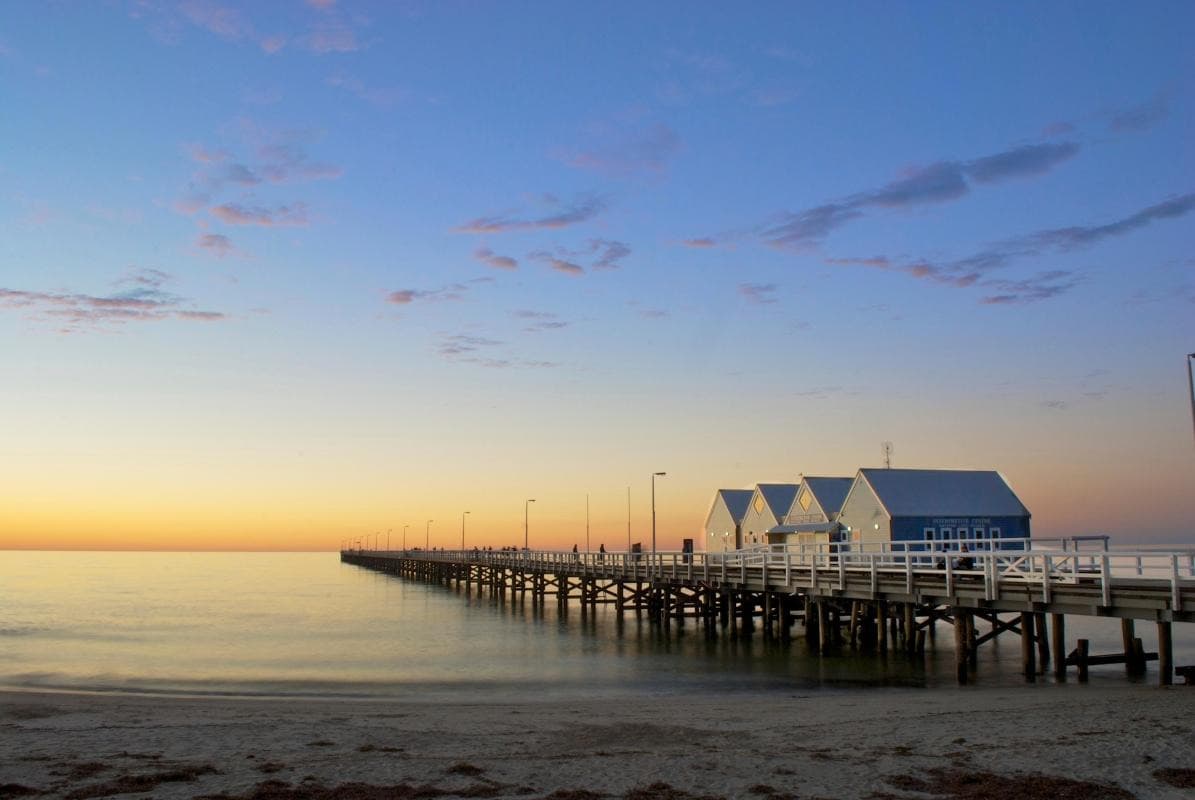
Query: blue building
[944,506]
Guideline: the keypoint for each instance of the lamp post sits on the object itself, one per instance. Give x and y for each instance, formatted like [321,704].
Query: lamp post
[463,515]
[653,510]
[526,505]
[587,522]
[427,536]
[404,537]
[1191,385]
[388,539]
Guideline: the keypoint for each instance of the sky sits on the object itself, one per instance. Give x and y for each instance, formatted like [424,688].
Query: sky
[279,275]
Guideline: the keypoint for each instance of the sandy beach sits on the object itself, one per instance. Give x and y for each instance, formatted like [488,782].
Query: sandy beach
[1025,742]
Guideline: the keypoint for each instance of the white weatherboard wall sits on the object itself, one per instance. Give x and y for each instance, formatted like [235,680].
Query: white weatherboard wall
[719,528]
[865,516]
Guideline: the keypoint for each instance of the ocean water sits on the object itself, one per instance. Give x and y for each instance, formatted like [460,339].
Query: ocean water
[303,624]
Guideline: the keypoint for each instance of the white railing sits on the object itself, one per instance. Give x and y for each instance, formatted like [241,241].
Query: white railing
[1039,565]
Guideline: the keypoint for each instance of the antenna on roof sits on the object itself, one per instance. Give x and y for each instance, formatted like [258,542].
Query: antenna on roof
[886,449]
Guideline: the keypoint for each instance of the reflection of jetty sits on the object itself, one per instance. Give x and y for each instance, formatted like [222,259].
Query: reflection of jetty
[886,599]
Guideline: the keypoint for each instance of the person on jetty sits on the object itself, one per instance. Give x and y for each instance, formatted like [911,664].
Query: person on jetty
[576,557]
[965,561]
[602,551]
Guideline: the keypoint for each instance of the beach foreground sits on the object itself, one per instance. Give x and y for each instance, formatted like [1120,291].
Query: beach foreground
[1133,741]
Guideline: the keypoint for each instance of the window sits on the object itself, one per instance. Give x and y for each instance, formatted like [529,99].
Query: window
[929,534]
[947,533]
[994,533]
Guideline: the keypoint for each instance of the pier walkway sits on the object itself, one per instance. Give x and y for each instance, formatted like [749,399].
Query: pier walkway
[891,593]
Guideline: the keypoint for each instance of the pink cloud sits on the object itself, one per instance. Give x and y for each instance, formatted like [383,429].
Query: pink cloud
[220,20]
[217,244]
[703,242]
[579,211]
[488,257]
[282,216]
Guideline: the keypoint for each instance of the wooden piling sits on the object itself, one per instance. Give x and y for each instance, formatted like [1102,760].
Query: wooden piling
[1028,664]
[1043,641]
[1127,634]
[1058,637]
[910,621]
[824,632]
[961,666]
[882,627]
[1081,653]
[1165,655]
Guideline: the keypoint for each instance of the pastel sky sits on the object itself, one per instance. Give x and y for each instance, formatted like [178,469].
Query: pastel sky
[274,275]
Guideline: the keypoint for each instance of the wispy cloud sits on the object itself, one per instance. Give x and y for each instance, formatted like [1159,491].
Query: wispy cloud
[332,37]
[144,300]
[977,269]
[225,22]
[217,244]
[380,96]
[700,243]
[1044,286]
[828,392]
[580,210]
[539,321]
[402,297]
[484,352]
[1140,117]
[760,293]
[491,259]
[280,216]
[609,253]
[625,153]
[556,263]
[940,182]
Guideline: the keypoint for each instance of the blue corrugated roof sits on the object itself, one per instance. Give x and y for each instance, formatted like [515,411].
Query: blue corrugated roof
[944,493]
[830,492]
[737,502]
[779,497]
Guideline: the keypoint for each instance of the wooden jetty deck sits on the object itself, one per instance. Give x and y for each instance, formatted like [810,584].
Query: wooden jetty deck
[884,600]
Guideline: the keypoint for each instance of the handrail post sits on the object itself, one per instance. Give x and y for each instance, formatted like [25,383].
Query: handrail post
[949,575]
[1176,598]
[1105,584]
[1045,578]
[908,574]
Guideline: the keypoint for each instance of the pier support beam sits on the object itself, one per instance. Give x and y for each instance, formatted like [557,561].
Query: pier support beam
[1028,661]
[961,661]
[1058,637]
[1165,655]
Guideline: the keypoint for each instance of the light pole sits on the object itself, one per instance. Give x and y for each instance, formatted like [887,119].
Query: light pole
[388,539]
[587,522]
[1191,385]
[628,519]
[526,505]
[653,510]
[463,515]
[404,537]
[427,535]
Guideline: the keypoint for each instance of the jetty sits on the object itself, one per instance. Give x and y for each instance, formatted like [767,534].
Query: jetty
[884,599]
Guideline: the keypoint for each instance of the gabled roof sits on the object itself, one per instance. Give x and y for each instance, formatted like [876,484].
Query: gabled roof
[778,496]
[944,493]
[829,493]
[737,502]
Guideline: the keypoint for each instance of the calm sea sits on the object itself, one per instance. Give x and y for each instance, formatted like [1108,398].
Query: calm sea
[303,624]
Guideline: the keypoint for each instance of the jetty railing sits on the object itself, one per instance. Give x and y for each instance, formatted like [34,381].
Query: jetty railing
[1039,566]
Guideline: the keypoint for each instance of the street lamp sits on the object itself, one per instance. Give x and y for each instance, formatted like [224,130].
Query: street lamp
[653,509]
[526,504]
[427,535]
[404,537]
[388,539]
[1191,385]
[463,515]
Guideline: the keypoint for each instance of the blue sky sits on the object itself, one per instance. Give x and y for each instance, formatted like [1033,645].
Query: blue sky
[295,271]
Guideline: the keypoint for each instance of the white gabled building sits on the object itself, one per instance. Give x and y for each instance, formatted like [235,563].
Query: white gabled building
[769,504]
[813,516]
[723,523]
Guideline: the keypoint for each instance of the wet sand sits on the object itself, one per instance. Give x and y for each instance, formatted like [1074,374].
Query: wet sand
[877,743]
